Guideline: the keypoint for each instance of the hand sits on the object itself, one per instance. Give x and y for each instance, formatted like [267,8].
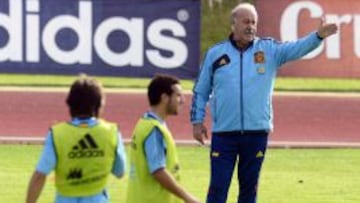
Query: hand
[200,132]
[326,30]
[191,199]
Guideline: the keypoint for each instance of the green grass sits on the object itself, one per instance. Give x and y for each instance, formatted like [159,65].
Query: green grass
[288,176]
[24,80]
[317,84]
[282,83]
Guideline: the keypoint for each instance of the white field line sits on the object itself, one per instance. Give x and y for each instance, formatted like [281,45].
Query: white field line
[65,89]
[272,144]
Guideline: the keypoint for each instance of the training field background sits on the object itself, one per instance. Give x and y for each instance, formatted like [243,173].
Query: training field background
[313,156]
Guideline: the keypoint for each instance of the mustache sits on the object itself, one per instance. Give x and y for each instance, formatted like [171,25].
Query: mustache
[249,31]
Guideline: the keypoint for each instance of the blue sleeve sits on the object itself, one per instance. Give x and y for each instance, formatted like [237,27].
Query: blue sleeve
[155,151]
[47,160]
[201,91]
[120,158]
[290,51]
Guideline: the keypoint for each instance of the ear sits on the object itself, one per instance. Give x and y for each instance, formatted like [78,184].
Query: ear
[164,97]
[103,102]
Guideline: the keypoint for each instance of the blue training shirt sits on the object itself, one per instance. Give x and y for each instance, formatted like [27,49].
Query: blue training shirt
[155,146]
[48,161]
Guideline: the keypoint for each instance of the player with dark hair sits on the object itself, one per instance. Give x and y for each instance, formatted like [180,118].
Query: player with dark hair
[83,152]
[85,98]
[154,165]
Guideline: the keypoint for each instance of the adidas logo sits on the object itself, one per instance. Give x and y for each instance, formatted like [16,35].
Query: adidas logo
[86,148]
[260,154]
[223,62]
[74,174]
[215,154]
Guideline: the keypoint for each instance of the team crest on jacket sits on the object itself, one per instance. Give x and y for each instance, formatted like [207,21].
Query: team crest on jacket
[261,70]
[259,57]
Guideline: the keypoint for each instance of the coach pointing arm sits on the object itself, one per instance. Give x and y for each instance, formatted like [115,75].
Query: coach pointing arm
[203,86]
[326,30]
[237,77]
[284,52]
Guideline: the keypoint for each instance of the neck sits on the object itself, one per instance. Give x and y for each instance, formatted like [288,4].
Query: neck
[83,116]
[161,112]
[242,45]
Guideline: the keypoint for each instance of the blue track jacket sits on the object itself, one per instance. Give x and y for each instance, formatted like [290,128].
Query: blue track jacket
[239,83]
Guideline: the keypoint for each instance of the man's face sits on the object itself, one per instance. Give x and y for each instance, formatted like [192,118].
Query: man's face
[175,100]
[244,27]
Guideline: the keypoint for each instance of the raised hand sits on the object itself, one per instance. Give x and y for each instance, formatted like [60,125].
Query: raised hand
[326,29]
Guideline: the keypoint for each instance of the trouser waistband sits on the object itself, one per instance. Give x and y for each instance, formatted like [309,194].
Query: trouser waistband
[242,132]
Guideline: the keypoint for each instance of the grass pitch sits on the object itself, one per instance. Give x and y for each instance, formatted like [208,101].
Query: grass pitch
[288,176]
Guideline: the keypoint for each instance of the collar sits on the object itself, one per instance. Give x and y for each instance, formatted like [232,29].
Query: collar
[91,121]
[233,42]
[151,114]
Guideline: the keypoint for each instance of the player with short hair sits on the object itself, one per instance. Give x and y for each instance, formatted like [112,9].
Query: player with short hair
[154,165]
[83,152]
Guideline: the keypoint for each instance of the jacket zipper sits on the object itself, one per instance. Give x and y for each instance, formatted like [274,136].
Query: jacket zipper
[241,93]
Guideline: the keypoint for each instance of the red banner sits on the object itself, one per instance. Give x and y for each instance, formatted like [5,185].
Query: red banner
[338,56]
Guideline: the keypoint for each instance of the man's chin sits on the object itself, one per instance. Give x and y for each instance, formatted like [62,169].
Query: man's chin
[250,39]
[174,113]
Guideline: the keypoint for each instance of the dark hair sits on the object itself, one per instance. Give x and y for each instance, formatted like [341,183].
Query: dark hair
[85,97]
[160,84]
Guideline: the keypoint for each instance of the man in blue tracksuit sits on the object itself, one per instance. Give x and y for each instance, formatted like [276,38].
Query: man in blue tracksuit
[237,76]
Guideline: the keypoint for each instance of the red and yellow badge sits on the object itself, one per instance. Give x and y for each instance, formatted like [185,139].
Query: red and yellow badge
[261,70]
[259,57]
